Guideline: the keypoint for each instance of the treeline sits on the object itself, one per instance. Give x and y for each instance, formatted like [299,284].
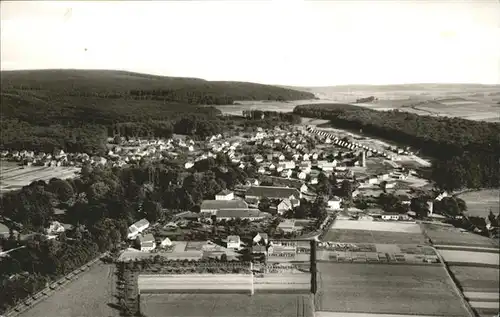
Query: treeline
[466,152]
[128,85]
[282,116]
[82,125]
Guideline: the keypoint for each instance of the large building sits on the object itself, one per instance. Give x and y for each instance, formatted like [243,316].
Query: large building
[249,214]
[211,206]
[257,192]
[138,227]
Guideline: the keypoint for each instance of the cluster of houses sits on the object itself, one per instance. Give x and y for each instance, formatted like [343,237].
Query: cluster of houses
[330,138]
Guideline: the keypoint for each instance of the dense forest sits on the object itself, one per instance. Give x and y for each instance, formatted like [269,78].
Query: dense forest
[466,152]
[76,110]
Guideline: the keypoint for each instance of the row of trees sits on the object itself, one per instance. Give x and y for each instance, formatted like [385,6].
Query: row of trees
[282,116]
[466,152]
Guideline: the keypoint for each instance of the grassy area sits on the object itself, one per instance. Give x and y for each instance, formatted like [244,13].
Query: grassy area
[480,202]
[479,258]
[388,226]
[446,235]
[476,279]
[226,305]
[90,295]
[366,236]
[15,178]
[387,289]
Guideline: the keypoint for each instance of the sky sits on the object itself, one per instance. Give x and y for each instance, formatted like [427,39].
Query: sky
[286,42]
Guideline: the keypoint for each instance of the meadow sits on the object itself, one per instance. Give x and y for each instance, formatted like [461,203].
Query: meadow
[226,305]
[446,235]
[387,289]
[195,283]
[91,294]
[367,236]
[470,257]
[479,203]
[476,279]
[380,232]
[14,177]
[473,102]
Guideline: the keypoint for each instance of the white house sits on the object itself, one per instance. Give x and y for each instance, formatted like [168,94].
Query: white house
[390,185]
[390,216]
[287,165]
[372,180]
[188,165]
[261,237]
[55,227]
[302,175]
[166,242]
[334,203]
[225,195]
[304,188]
[233,242]
[305,166]
[137,228]
[286,173]
[147,242]
[284,206]
[258,158]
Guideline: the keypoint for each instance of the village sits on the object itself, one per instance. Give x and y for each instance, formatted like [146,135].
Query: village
[289,164]
[359,199]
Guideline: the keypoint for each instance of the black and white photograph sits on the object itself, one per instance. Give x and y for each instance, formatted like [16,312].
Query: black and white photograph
[250,158]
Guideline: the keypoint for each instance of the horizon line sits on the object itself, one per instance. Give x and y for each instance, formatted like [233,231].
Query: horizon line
[278,85]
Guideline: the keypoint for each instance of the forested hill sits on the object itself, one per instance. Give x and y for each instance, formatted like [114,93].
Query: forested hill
[467,152]
[76,110]
[122,84]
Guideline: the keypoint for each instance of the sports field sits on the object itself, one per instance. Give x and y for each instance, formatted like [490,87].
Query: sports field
[226,305]
[387,289]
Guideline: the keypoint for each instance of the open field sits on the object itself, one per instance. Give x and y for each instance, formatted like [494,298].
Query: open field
[367,236]
[387,289]
[283,282]
[477,279]
[344,314]
[473,102]
[480,202]
[446,235]
[12,178]
[195,283]
[226,305]
[89,295]
[469,257]
[288,106]
[390,226]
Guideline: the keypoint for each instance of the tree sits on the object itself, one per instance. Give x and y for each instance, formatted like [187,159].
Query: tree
[61,188]
[264,204]
[492,219]
[419,206]
[152,210]
[324,187]
[346,189]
